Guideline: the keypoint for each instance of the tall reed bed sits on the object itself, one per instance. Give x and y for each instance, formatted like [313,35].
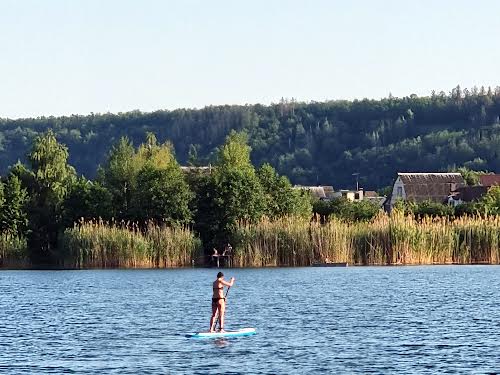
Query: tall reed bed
[395,239]
[13,252]
[110,245]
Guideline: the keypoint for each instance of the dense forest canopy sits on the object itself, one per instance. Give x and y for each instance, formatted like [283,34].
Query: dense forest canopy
[311,143]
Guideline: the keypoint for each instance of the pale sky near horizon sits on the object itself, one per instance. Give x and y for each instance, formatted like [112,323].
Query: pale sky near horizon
[79,56]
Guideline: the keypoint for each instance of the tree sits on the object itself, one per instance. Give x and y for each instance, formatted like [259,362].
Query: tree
[13,216]
[51,178]
[233,192]
[147,184]
[119,176]
[490,204]
[87,200]
[281,199]
[2,207]
[163,196]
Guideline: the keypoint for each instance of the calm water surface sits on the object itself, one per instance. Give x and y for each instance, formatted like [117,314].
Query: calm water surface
[438,319]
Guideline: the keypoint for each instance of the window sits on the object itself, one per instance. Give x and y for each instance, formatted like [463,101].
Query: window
[400,191]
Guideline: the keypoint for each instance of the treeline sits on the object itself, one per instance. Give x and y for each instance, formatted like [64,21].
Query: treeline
[311,143]
[148,211]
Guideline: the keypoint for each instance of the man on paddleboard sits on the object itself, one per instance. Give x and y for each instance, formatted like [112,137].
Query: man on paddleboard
[219,301]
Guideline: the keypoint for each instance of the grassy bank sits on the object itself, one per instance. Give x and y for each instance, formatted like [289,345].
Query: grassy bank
[97,244]
[13,252]
[397,239]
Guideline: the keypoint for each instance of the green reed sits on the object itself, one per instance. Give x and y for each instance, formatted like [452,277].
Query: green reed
[126,245]
[395,239]
[13,252]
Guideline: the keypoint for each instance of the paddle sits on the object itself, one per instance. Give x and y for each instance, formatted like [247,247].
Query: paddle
[218,315]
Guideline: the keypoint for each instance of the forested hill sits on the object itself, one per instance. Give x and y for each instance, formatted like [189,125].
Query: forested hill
[311,143]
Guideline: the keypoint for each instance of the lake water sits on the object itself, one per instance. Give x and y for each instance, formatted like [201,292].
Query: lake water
[436,319]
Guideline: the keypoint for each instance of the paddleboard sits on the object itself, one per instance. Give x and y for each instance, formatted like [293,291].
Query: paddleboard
[236,333]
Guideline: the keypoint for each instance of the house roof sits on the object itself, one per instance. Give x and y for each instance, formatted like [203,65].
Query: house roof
[430,186]
[370,194]
[470,193]
[316,191]
[489,179]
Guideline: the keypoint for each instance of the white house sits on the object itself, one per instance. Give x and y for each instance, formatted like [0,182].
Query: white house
[419,187]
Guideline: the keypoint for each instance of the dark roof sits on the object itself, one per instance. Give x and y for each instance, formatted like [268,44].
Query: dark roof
[470,193]
[430,186]
[370,194]
[328,191]
[489,179]
[315,191]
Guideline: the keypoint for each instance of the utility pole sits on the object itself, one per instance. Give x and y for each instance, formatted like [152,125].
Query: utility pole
[357,180]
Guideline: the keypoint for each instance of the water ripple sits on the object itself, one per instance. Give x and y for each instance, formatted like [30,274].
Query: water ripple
[378,320]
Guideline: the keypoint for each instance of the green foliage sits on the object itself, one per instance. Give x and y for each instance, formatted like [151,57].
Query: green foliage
[232,193]
[87,200]
[206,210]
[13,216]
[48,183]
[346,210]
[429,208]
[310,143]
[385,191]
[238,193]
[119,175]
[471,177]
[468,209]
[280,197]
[147,183]
[490,204]
[163,195]
[53,175]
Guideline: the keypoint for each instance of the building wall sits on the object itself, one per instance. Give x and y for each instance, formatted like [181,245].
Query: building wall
[350,195]
[398,191]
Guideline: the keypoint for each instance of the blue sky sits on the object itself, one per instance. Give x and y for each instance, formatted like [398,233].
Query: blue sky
[80,56]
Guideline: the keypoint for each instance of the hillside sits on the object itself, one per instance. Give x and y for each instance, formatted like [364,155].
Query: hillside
[311,143]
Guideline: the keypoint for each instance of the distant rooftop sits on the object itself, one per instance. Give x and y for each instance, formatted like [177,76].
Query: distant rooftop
[489,179]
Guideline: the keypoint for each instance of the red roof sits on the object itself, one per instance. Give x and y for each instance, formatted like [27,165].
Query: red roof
[489,179]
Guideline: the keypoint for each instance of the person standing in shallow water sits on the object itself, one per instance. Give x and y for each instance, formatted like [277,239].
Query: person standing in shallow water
[218,300]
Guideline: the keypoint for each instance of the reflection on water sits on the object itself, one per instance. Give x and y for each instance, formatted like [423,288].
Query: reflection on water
[337,320]
[220,342]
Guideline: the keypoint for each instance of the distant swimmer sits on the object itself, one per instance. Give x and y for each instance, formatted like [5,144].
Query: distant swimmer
[219,301]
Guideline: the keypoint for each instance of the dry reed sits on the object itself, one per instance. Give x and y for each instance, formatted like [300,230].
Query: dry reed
[98,244]
[395,239]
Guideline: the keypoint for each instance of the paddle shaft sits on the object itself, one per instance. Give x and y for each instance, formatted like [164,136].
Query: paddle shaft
[218,315]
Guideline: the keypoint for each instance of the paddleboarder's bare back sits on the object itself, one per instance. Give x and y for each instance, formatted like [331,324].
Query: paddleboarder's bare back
[218,300]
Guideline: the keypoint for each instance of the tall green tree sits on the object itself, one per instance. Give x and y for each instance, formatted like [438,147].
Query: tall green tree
[13,215]
[119,176]
[233,191]
[51,178]
[147,183]
[163,193]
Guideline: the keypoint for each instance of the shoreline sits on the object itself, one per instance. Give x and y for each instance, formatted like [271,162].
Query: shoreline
[53,268]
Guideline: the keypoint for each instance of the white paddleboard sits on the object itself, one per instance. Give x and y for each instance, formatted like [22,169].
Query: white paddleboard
[236,333]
